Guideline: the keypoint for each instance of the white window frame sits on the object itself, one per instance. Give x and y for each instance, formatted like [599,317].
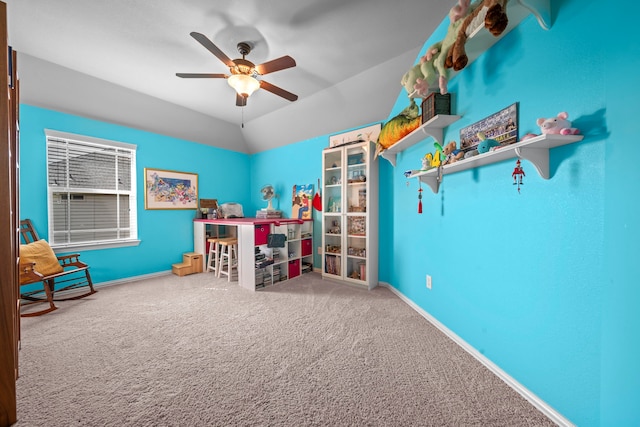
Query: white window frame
[132,240]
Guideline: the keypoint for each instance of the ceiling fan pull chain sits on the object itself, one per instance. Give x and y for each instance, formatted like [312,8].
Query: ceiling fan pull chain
[242,109]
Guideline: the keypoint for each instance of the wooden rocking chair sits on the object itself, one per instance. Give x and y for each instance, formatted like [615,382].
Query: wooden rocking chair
[39,264]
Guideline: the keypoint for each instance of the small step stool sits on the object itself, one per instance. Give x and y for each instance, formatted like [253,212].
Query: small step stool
[191,263]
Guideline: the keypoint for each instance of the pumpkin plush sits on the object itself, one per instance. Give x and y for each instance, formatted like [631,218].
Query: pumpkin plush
[398,127]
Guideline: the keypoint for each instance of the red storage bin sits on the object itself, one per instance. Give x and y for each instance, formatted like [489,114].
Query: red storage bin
[294,268]
[307,248]
[261,234]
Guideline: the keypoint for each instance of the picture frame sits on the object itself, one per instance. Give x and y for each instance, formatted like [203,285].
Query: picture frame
[167,189]
[501,126]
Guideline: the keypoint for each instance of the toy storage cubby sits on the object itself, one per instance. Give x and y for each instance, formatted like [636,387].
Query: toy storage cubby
[277,264]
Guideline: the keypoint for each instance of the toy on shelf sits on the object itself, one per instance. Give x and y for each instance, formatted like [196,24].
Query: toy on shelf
[559,125]
[452,153]
[517,175]
[494,15]
[486,144]
[398,127]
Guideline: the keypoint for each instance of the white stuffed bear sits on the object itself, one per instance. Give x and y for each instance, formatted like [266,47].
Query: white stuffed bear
[557,125]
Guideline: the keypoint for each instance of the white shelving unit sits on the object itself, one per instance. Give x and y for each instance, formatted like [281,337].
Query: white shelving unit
[288,262]
[479,41]
[350,214]
[535,150]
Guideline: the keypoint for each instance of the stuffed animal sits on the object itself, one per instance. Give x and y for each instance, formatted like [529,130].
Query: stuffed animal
[452,153]
[398,127]
[457,15]
[427,162]
[410,79]
[557,125]
[494,15]
[486,144]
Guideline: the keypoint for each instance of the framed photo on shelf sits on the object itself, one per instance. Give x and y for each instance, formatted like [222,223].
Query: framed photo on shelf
[165,189]
[501,126]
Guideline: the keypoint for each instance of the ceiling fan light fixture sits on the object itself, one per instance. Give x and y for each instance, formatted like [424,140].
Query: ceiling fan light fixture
[243,84]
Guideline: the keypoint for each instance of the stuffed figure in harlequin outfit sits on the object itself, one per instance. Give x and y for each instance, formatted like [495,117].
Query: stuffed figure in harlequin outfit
[558,125]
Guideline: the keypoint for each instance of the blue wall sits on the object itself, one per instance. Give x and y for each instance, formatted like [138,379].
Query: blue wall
[164,234]
[542,283]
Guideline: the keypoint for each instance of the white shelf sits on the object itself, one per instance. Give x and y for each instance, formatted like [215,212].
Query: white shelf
[535,150]
[432,128]
[478,42]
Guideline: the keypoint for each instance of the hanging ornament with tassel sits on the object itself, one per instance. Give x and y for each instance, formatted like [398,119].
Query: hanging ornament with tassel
[420,197]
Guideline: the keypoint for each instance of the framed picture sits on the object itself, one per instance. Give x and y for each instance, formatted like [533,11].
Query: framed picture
[369,133]
[301,201]
[501,126]
[170,189]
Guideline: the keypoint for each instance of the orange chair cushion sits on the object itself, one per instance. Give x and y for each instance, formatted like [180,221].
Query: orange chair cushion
[41,253]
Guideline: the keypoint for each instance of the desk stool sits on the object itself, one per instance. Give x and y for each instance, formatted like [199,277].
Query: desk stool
[228,257]
[214,251]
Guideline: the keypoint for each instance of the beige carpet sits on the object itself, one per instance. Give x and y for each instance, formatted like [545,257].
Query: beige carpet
[199,351]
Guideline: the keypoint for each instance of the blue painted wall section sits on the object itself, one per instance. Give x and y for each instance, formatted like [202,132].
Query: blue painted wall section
[543,283]
[164,234]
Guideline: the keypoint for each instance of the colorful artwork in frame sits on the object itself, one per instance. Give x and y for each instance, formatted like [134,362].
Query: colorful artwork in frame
[166,189]
[301,201]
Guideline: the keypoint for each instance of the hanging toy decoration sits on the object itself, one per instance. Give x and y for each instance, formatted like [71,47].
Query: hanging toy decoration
[517,175]
[420,198]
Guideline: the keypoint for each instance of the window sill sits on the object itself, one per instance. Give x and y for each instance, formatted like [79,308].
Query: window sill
[78,247]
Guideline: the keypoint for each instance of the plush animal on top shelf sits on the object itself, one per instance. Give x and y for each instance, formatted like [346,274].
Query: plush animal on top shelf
[452,153]
[558,125]
[398,127]
[457,15]
[494,15]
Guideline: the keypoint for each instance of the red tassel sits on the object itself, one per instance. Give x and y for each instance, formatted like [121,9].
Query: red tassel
[420,200]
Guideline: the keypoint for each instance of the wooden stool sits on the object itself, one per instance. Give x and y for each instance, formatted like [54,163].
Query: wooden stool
[214,250]
[228,257]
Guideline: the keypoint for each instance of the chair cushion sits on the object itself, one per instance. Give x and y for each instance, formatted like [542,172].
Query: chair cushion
[41,253]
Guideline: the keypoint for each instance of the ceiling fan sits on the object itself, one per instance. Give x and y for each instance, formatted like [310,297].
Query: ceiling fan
[244,72]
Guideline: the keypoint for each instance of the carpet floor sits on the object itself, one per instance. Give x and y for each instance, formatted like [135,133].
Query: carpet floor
[200,351]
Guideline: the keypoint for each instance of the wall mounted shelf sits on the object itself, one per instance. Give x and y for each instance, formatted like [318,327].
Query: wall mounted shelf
[535,150]
[479,41]
[432,128]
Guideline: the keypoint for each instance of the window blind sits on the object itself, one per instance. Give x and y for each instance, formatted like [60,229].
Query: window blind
[91,190]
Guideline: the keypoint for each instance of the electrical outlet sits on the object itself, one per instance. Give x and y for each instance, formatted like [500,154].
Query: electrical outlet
[319,250]
[428,282]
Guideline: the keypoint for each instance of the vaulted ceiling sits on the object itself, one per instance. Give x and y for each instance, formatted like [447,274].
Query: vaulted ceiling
[117,60]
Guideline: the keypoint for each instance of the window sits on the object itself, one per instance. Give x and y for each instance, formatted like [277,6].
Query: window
[91,192]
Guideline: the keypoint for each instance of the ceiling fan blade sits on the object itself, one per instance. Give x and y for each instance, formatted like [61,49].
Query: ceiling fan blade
[278,91]
[241,101]
[201,76]
[275,65]
[208,44]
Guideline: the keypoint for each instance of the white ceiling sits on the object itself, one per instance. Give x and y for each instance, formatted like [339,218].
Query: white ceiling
[116,61]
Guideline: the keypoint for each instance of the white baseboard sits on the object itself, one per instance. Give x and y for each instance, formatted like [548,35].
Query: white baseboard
[132,279]
[542,406]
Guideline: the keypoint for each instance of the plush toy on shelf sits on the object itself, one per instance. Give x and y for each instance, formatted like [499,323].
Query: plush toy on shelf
[486,144]
[559,125]
[494,15]
[398,127]
[452,153]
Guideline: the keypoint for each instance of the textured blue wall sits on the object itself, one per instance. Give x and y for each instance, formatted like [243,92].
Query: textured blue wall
[164,234]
